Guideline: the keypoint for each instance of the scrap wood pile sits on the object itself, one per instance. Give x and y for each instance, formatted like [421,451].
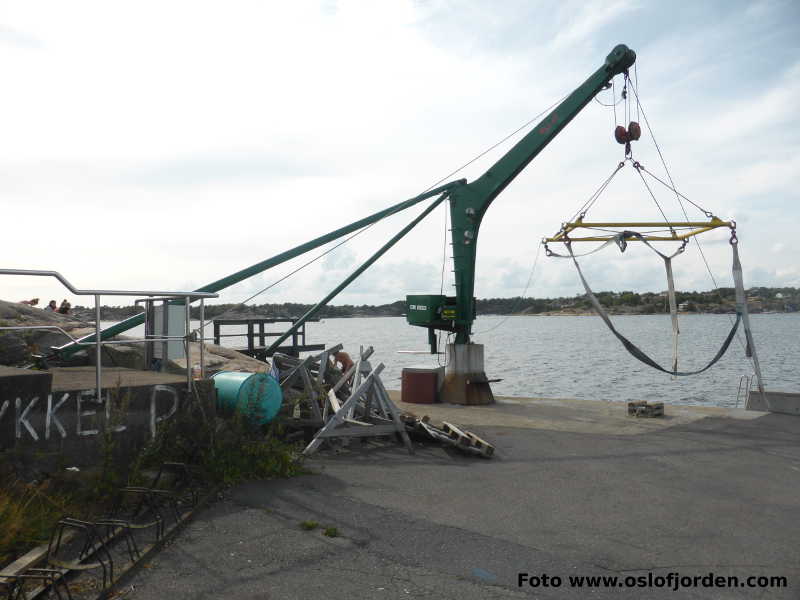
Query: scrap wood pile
[336,405]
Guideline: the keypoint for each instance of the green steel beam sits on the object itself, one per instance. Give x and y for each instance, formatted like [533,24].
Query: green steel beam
[350,278]
[70,348]
[468,203]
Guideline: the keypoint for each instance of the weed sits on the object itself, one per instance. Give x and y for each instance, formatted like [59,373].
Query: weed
[28,513]
[308,525]
[228,451]
[110,478]
[331,532]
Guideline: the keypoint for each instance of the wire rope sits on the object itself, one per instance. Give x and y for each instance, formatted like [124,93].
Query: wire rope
[492,147]
[285,277]
[520,299]
[597,193]
[653,196]
[614,94]
[441,284]
[678,196]
[669,187]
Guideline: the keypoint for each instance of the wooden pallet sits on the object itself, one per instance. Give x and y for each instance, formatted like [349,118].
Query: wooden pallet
[448,434]
[468,439]
[642,408]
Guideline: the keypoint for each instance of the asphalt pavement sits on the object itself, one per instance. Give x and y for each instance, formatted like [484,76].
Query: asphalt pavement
[716,497]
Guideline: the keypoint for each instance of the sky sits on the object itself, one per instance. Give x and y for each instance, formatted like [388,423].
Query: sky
[164,145]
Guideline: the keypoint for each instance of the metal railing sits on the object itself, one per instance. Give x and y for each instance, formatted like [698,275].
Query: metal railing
[258,350]
[745,385]
[98,343]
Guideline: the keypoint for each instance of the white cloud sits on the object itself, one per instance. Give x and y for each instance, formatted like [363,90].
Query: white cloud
[156,152]
[20,39]
[585,18]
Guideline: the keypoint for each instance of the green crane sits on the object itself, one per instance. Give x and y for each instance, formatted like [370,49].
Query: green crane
[468,205]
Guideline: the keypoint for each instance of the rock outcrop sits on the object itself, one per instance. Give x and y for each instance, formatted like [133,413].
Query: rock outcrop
[16,347]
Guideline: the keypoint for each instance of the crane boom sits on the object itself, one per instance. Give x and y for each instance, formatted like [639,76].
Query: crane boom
[468,203]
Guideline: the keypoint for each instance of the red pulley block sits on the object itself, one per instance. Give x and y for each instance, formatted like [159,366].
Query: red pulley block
[621,135]
[634,131]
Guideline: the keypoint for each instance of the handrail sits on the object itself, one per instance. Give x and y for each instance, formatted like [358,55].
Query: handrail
[98,342]
[80,292]
[148,338]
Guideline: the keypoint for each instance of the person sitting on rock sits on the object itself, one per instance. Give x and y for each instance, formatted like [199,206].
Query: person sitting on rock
[31,302]
[65,306]
[51,306]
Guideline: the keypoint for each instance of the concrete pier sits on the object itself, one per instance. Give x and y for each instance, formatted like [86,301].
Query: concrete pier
[574,489]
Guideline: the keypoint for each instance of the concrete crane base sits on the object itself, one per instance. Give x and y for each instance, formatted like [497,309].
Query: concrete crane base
[465,381]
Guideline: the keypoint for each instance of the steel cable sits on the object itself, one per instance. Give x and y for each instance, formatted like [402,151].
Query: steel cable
[678,196]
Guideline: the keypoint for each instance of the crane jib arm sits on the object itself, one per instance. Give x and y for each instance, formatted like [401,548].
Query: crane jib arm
[469,203]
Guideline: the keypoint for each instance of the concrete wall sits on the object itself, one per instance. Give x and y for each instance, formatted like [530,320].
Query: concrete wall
[44,429]
[779,402]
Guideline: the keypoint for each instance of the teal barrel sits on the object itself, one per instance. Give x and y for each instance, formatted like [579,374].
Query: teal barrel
[257,395]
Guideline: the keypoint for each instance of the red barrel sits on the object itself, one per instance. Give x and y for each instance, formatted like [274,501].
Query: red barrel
[420,386]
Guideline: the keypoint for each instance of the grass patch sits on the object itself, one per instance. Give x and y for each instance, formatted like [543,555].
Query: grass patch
[27,514]
[331,532]
[28,511]
[308,525]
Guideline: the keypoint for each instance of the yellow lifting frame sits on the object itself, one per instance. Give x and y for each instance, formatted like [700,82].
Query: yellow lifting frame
[701,227]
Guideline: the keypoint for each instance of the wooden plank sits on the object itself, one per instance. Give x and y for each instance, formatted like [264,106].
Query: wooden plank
[455,432]
[323,368]
[340,384]
[311,393]
[294,373]
[485,447]
[328,351]
[388,407]
[299,422]
[437,434]
[350,430]
[356,422]
[387,401]
[31,558]
[333,401]
[283,349]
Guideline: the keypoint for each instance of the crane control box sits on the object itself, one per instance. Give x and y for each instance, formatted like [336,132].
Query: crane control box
[434,312]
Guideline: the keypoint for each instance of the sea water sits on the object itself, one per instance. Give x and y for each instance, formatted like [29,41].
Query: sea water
[578,357]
